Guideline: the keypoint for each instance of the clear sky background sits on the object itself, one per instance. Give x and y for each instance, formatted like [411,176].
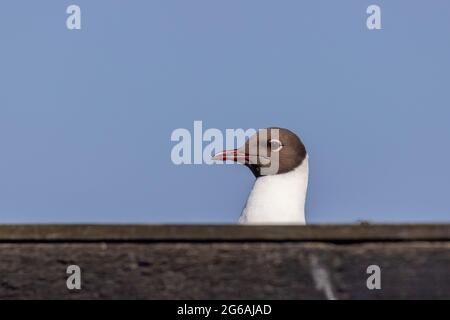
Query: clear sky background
[86,116]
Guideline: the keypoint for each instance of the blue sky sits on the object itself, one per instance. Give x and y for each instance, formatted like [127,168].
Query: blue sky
[86,115]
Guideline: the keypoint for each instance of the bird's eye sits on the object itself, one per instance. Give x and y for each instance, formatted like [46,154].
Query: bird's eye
[275,145]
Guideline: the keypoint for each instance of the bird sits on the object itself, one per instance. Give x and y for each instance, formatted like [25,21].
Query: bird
[278,159]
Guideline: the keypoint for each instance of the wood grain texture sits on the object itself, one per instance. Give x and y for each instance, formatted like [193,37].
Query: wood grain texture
[191,233]
[224,269]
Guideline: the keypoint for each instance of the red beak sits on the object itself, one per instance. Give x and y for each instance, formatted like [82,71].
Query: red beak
[234,155]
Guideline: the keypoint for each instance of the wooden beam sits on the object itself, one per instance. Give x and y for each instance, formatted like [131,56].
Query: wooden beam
[225,262]
[192,233]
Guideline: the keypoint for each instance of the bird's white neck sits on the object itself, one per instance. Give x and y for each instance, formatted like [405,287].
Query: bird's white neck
[278,199]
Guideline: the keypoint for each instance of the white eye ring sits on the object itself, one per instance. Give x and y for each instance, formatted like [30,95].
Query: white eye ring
[278,144]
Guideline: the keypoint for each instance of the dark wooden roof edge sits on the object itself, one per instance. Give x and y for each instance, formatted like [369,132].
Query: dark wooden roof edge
[208,233]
